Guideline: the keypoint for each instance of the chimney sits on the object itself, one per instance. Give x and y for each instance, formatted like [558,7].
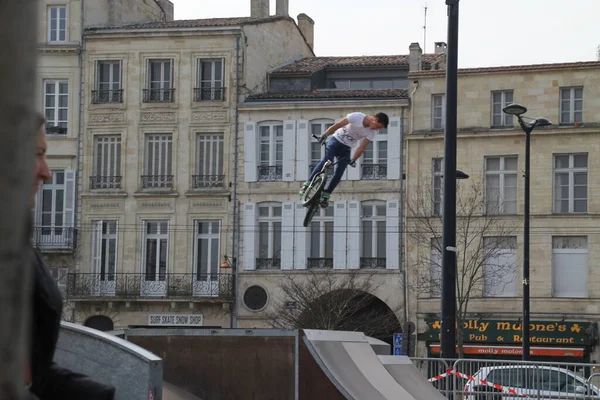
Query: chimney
[414,58]
[259,8]
[307,27]
[282,8]
[440,47]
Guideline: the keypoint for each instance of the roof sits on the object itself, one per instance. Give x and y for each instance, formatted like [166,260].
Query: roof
[313,64]
[510,68]
[188,23]
[330,95]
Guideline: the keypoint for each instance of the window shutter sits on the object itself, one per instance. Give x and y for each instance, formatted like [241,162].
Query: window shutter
[353,229]
[392,239]
[339,239]
[289,141]
[37,217]
[300,239]
[250,236]
[394,150]
[302,150]
[287,236]
[69,197]
[97,248]
[250,153]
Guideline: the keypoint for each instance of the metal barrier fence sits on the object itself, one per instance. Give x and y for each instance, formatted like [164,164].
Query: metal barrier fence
[467,379]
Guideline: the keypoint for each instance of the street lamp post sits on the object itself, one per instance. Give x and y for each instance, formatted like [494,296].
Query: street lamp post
[528,127]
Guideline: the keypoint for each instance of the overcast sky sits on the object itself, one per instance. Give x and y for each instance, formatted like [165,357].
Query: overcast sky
[492,32]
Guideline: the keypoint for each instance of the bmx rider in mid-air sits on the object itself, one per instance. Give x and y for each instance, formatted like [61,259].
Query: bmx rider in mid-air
[347,133]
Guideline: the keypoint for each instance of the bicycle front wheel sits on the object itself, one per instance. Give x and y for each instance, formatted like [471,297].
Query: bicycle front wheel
[310,213]
[313,192]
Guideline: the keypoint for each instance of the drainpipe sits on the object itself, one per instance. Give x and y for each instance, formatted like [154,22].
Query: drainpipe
[401,217]
[81,127]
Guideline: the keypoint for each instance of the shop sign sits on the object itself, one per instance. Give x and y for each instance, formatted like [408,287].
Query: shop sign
[507,331]
[175,320]
[515,351]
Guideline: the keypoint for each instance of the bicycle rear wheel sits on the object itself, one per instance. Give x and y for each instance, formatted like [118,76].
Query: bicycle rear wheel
[310,213]
[313,192]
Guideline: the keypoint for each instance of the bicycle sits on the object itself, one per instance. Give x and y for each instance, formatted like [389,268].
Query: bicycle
[312,195]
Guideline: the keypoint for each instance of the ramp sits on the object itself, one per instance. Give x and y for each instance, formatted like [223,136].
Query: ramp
[408,376]
[349,361]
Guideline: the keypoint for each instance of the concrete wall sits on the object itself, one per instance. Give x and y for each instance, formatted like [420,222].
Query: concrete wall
[135,372]
[117,12]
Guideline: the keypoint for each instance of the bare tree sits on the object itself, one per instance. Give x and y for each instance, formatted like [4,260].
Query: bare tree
[485,242]
[333,300]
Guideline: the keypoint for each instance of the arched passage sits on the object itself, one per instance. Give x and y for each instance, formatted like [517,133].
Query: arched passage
[100,322]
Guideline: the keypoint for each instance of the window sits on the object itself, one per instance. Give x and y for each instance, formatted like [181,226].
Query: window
[57,23]
[53,204]
[271,152]
[571,105]
[210,80]
[435,267]
[55,210]
[206,266]
[104,250]
[56,106]
[375,158]
[269,236]
[156,242]
[159,149]
[368,84]
[501,99]
[570,183]
[373,231]
[107,162]
[108,83]
[317,151]
[438,102]
[501,185]
[438,186]
[321,240]
[570,266]
[500,266]
[160,82]
[209,161]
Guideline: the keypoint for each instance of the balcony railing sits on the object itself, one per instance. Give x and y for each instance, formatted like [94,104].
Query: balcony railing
[268,263]
[168,285]
[209,94]
[207,181]
[105,182]
[328,171]
[374,171]
[372,263]
[157,181]
[54,238]
[320,263]
[110,96]
[270,173]
[159,95]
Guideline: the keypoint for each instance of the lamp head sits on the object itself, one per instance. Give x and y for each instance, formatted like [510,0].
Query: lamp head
[543,122]
[514,109]
[461,175]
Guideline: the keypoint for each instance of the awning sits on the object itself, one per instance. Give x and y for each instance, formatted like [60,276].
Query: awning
[516,350]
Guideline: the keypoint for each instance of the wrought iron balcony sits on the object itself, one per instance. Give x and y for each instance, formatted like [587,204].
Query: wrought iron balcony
[110,96]
[105,182]
[157,181]
[270,173]
[168,285]
[328,171]
[374,171]
[159,95]
[320,263]
[209,94]
[207,181]
[54,238]
[268,263]
[56,129]
[372,263]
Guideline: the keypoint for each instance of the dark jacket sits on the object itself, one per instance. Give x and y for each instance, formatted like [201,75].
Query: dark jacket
[49,381]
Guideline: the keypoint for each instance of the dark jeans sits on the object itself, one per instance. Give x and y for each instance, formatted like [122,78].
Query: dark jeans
[334,149]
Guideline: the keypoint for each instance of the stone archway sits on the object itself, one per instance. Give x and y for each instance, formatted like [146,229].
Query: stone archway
[100,322]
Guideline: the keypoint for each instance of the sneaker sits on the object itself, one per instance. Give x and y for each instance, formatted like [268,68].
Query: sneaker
[325,200]
[303,190]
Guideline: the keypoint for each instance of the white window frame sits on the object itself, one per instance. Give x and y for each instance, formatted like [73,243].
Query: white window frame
[272,142]
[113,83]
[164,166]
[161,236]
[325,236]
[209,158]
[575,115]
[58,7]
[437,175]
[569,248]
[165,82]
[107,152]
[105,232]
[571,171]
[502,173]
[496,248]
[213,83]
[54,187]
[374,232]
[52,113]
[212,271]
[507,120]
[442,120]
[372,156]
[320,126]
[271,219]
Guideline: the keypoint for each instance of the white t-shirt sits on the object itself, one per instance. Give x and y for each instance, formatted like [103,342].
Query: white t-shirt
[352,133]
